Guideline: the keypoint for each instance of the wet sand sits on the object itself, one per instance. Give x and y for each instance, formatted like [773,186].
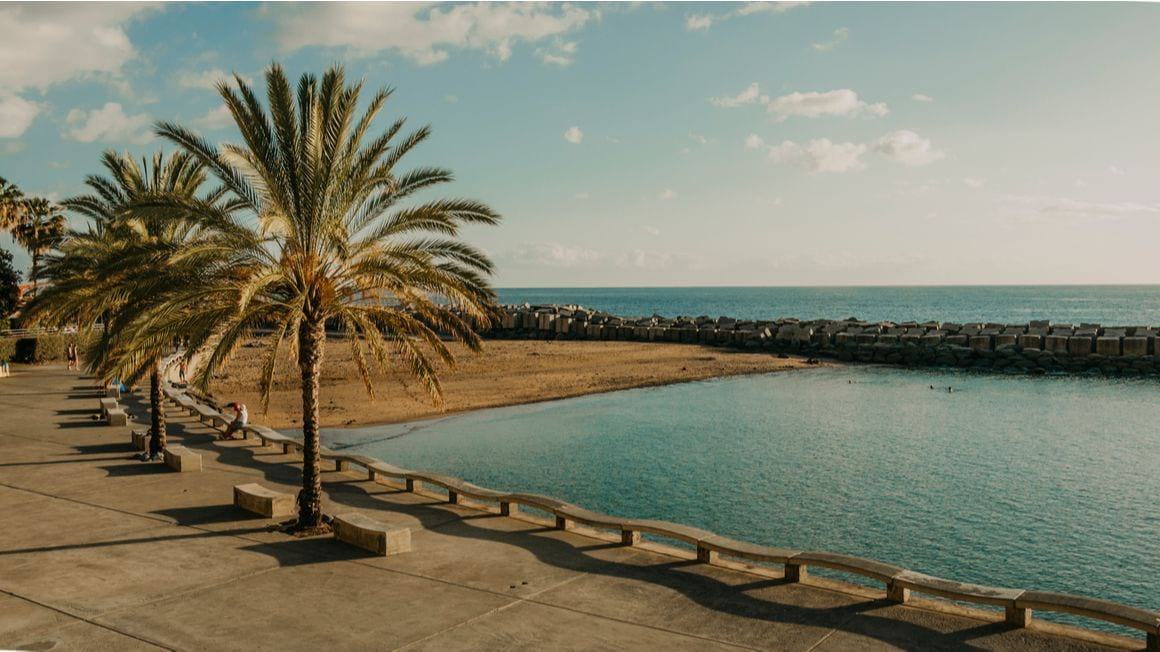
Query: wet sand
[508,372]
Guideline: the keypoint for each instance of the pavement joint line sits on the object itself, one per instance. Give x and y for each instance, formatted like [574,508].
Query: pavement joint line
[823,638]
[84,619]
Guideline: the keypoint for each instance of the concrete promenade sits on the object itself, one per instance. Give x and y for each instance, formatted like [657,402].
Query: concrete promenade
[100,551]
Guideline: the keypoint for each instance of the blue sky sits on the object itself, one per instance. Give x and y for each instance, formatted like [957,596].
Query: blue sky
[676,144]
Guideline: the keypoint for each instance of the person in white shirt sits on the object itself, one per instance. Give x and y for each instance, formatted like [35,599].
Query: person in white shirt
[241,416]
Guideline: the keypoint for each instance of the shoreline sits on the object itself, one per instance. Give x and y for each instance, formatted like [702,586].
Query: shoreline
[507,373]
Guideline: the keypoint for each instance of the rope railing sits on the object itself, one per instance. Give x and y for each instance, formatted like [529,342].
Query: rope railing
[899,583]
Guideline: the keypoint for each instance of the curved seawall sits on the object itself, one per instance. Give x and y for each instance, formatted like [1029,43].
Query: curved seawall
[1036,347]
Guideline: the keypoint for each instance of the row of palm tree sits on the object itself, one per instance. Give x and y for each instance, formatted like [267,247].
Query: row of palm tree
[35,223]
[305,228]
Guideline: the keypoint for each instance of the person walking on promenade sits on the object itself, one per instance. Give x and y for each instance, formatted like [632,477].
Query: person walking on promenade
[241,416]
[182,367]
[71,355]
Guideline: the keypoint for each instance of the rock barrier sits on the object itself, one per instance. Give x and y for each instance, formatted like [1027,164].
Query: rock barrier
[1037,347]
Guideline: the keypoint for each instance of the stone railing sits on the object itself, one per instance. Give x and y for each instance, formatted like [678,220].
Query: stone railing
[898,582]
[1035,347]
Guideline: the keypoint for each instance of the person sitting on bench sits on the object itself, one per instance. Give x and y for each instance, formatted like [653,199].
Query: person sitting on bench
[241,416]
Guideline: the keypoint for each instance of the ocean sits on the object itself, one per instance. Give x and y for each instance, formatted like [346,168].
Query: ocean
[1039,483]
[1118,305]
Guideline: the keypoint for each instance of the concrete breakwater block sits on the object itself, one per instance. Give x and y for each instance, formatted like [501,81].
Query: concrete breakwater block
[369,534]
[255,498]
[181,459]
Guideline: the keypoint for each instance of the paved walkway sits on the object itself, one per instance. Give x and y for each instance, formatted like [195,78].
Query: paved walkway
[99,551]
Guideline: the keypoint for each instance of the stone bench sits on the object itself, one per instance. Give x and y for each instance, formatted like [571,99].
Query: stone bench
[902,584]
[369,534]
[255,498]
[117,417]
[795,568]
[181,459]
[270,436]
[205,414]
[1141,619]
[140,439]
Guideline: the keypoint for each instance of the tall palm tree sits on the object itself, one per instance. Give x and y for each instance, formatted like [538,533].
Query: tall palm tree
[122,263]
[11,204]
[41,229]
[325,241]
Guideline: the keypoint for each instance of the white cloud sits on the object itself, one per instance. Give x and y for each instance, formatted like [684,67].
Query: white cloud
[667,194]
[1065,208]
[700,139]
[451,99]
[650,230]
[42,44]
[208,79]
[16,115]
[574,135]
[919,97]
[562,53]
[109,124]
[906,147]
[972,182]
[753,141]
[820,155]
[768,7]
[1115,171]
[551,254]
[218,118]
[840,36]
[422,32]
[698,22]
[751,94]
[843,102]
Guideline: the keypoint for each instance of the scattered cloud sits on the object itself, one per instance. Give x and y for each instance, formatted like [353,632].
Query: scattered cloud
[753,141]
[451,99]
[218,118]
[843,103]
[16,115]
[919,97]
[751,94]
[1033,208]
[574,135]
[424,33]
[698,22]
[57,165]
[558,256]
[820,155]
[1115,171]
[208,79]
[12,147]
[562,53]
[906,147]
[667,194]
[108,124]
[551,254]
[839,37]
[700,139]
[614,141]
[972,182]
[650,230]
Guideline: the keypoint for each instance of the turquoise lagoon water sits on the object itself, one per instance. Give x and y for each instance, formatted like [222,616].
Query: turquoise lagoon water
[1123,305]
[1046,483]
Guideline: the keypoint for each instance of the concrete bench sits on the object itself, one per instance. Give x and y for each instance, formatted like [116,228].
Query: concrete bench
[205,414]
[369,534]
[181,459]
[117,417]
[340,461]
[140,439]
[255,498]
[1141,619]
[795,568]
[269,436]
[902,584]
[106,405]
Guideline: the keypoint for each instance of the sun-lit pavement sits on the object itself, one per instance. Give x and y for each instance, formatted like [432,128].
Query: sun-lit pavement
[100,551]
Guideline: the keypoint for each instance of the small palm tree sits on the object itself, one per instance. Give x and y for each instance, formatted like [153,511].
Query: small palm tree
[123,263]
[325,242]
[41,228]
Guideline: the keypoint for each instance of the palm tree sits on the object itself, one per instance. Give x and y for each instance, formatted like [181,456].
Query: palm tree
[325,241]
[41,229]
[11,204]
[123,262]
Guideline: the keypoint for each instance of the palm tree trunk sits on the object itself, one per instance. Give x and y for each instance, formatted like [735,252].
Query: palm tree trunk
[311,338]
[157,410]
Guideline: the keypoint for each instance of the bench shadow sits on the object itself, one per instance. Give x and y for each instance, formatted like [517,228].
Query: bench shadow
[76,412]
[64,425]
[99,449]
[310,550]
[209,514]
[139,468]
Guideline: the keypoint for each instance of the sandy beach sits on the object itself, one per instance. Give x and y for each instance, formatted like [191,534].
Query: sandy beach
[508,372]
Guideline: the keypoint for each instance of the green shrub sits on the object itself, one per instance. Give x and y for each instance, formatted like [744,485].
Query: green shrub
[38,350]
[7,348]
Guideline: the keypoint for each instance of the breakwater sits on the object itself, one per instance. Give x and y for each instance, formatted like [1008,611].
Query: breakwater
[1037,347]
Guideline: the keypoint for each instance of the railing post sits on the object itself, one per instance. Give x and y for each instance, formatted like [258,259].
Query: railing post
[706,556]
[372,476]
[563,523]
[452,497]
[897,593]
[1017,616]
[508,509]
[1153,644]
[795,572]
[629,537]
[410,484]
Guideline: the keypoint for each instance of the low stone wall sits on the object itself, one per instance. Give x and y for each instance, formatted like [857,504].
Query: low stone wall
[1038,347]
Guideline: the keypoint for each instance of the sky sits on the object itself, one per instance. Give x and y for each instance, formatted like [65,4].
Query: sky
[682,144]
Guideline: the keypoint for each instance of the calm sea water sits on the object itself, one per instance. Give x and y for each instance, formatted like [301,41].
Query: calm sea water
[1046,483]
[1123,305]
